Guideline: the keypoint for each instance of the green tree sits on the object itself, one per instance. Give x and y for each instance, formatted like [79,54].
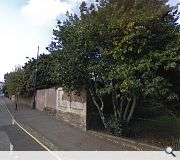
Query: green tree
[46,77]
[143,50]
[13,81]
[125,49]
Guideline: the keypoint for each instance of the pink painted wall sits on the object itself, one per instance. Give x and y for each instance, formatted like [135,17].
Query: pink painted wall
[50,98]
[40,100]
[27,101]
[46,98]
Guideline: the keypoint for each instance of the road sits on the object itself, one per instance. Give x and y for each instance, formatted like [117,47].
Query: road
[11,136]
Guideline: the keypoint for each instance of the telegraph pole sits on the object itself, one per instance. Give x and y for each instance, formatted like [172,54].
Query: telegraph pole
[35,81]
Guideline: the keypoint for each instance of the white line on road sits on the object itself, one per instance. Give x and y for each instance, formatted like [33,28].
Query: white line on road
[13,121]
[11,147]
[34,138]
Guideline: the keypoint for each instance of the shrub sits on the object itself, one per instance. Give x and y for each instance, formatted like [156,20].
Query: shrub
[114,126]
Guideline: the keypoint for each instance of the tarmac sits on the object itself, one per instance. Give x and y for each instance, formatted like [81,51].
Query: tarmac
[58,135]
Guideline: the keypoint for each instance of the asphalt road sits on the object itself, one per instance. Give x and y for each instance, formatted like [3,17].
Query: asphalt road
[11,136]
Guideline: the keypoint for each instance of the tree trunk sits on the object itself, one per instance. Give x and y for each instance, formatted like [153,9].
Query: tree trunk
[99,107]
[131,111]
[126,109]
[101,111]
[120,110]
[114,105]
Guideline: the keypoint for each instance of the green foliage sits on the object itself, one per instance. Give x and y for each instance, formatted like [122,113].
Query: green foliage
[46,76]
[13,81]
[22,79]
[28,77]
[114,126]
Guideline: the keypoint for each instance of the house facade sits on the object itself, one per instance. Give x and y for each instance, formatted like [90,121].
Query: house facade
[1,86]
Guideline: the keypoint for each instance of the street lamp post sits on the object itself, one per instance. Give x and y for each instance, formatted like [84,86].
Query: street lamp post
[35,81]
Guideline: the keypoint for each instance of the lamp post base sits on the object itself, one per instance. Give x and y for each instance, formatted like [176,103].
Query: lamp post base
[33,105]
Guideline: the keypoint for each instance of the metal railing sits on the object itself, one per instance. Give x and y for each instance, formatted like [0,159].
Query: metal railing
[153,132]
[158,132]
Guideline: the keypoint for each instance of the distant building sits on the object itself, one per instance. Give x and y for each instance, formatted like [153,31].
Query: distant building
[1,86]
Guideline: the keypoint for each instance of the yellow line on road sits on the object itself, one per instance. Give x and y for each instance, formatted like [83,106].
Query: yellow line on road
[34,138]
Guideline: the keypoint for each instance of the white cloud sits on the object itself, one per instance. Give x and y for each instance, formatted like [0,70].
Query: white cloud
[44,12]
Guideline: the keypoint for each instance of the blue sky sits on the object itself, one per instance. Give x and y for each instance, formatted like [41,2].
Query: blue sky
[25,24]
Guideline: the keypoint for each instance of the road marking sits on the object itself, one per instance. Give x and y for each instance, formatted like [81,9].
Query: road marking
[11,147]
[34,138]
[13,121]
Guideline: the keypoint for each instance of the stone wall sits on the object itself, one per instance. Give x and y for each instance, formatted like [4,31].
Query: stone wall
[26,101]
[70,102]
[77,110]
[72,108]
[66,106]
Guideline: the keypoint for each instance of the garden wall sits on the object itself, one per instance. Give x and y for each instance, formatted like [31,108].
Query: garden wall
[66,106]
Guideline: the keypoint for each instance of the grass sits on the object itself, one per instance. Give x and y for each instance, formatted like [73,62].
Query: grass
[164,123]
[160,131]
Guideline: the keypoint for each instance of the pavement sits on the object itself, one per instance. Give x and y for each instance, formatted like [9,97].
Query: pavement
[61,136]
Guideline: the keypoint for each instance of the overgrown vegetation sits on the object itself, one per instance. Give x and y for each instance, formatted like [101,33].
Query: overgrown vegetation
[127,49]
[114,126]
